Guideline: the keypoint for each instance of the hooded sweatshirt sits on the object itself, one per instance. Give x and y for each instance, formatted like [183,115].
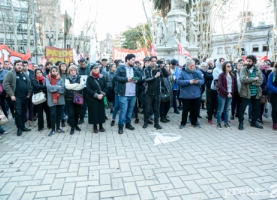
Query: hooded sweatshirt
[217,70]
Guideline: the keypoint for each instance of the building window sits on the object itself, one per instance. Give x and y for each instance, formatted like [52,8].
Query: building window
[242,51]
[220,50]
[255,48]
[265,48]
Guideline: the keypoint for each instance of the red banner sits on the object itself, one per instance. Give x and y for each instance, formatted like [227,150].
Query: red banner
[183,51]
[152,50]
[11,56]
[121,53]
[55,54]
[259,58]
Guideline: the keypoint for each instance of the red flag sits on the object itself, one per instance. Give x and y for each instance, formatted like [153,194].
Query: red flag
[152,50]
[183,51]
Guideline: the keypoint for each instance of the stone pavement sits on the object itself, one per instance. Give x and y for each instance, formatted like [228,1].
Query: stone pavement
[143,164]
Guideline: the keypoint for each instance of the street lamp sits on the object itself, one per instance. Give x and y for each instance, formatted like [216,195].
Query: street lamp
[49,38]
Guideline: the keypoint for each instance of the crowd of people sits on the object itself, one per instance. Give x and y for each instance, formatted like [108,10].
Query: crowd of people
[73,92]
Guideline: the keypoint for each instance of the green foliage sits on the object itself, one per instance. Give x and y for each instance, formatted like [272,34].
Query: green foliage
[162,5]
[137,37]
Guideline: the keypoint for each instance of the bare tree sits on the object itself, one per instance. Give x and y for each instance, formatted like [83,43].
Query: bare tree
[3,24]
[14,25]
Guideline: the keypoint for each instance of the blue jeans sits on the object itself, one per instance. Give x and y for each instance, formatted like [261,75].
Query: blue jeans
[64,112]
[127,105]
[116,106]
[223,106]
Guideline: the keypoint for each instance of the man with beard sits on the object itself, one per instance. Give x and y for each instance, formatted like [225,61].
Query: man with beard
[18,87]
[251,79]
[7,65]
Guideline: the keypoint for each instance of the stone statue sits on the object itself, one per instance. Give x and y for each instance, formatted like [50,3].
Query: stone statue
[161,32]
[192,31]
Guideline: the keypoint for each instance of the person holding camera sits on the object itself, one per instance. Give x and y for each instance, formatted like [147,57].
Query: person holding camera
[189,81]
[153,75]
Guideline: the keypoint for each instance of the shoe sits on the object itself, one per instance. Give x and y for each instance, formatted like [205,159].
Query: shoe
[177,112]
[232,117]
[219,126]
[130,127]
[150,122]
[72,131]
[106,118]
[241,126]
[256,125]
[40,129]
[101,129]
[25,129]
[197,126]
[112,123]
[63,123]
[167,119]
[163,120]
[120,129]
[60,130]
[210,122]
[145,125]
[274,127]
[78,128]
[95,130]
[227,126]
[81,121]
[157,126]
[136,121]
[19,132]
[181,126]
[51,133]
[260,121]
[199,117]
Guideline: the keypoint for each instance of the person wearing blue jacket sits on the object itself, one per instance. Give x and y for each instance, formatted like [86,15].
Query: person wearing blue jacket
[189,81]
[272,89]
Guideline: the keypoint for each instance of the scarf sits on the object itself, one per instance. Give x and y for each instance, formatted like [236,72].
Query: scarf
[95,75]
[72,78]
[40,79]
[53,81]
[190,71]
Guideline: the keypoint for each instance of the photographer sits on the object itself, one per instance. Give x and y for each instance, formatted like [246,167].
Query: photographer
[153,75]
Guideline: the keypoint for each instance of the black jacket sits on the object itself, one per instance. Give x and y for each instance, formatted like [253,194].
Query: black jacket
[69,94]
[154,84]
[236,83]
[121,78]
[38,87]
[208,78]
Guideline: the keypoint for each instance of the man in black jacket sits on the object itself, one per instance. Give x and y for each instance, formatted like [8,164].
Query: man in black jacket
[30,106]
[127,77]
[153,76]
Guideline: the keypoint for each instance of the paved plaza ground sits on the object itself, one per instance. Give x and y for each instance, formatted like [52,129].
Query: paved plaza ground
[187,164]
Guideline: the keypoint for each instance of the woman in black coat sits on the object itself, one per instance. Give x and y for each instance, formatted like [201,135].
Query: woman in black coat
[38,83]
[96,90]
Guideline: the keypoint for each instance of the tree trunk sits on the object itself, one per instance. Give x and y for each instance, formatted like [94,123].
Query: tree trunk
[14,26]
[73,22]
[57,21]
[3,24]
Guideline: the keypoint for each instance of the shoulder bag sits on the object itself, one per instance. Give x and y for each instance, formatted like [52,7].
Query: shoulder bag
[4,120]
[38,98]
[106,102]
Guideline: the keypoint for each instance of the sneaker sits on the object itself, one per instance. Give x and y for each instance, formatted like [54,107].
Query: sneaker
[227,125]
[210,122]
[60,130]
[51,133]
[181,126]
[219,126]
[137,121]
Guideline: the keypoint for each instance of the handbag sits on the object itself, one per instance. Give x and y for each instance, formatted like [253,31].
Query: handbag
[38,98]
[78,98]
[4,120]
[106,102]
[165,96]
[263,99]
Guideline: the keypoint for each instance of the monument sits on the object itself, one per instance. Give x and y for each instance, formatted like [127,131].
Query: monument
[176,33]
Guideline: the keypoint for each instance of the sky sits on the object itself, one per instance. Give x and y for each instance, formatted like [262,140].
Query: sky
[115,16]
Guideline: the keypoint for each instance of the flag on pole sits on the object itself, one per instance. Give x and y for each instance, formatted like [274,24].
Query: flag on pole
[183,51]
[152,50]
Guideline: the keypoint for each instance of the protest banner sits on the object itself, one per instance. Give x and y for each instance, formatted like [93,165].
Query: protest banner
[121,53]
[55,54]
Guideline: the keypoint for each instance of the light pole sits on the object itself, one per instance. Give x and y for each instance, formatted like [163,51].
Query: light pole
[49,38]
